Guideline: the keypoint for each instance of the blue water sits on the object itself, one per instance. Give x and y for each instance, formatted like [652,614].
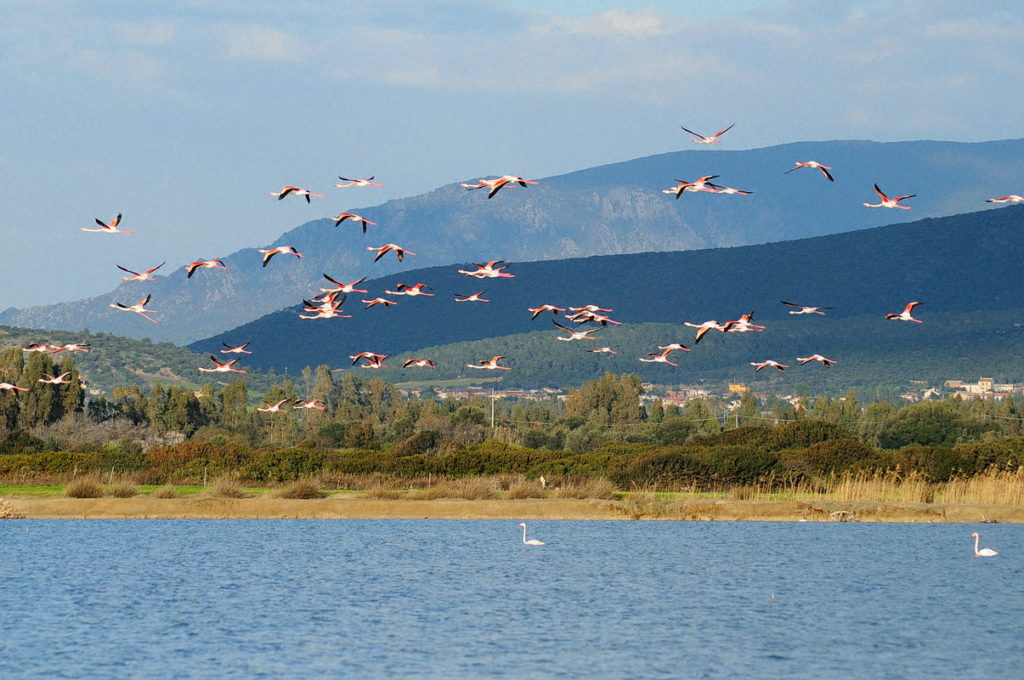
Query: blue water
[465,599]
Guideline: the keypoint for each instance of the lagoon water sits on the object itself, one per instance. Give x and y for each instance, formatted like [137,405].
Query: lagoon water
[465,599]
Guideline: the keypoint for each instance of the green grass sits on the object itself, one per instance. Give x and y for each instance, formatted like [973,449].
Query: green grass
[32,490]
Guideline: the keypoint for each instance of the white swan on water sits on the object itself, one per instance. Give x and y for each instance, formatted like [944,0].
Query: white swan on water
[984,552]
[532,541]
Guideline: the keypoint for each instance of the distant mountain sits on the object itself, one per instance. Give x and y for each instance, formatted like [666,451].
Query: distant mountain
[963,268]
[612,209]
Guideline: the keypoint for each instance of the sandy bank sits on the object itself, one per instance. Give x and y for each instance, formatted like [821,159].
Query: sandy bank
[355,507]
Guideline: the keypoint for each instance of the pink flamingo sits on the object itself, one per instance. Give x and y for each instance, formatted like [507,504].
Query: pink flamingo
[355,218]
[412,291]
[713,139]
[108,227]
[73,347]
[311,404]
[887,202]
[365,182]
[491,364]
[659,358]
[490,270]
[532,541]
[399,251]
[144,276]
[276,408]
[207,264]
[603,350]
[8,387]
[824,361]
[703,328]
[768,363]
[496,185]
[804,309]
[221,366]
[139,308]
[59,380]
[575,335]
[813,164]
[905,314]
[984,552]
[544,308]
[1012,198]
[421,363]
[295,191]
[271,252]
[475,297]
[236,349]
[344,287]
[700,184]
[379,301]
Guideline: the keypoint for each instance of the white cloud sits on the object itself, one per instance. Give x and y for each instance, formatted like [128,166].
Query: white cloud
[615,22]
[261,43]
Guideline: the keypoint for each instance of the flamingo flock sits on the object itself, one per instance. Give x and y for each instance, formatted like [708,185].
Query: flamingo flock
[328,305]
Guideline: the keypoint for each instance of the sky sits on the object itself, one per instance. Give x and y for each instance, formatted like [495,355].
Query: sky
[184,115]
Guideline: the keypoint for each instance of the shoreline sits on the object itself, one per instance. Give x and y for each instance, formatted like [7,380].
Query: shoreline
[356,507]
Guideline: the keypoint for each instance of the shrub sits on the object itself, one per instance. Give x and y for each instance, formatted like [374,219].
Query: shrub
[84,487]
[301,488]
[123,491]
[226,487]
[166,491]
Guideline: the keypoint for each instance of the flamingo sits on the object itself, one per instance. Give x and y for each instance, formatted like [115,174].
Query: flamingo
[237,349]
[887,202]
[8,387]
[108,227]
[700,184]
[984,552]
[590,317]
[713,139]
[144,276]
[575,335]
[496,185]
[532,541]
[379,301]
[475,297]
[590,308]
[603,350]
[38,347]
[73,347]
[659,358]
[59,380]
[422,363]
[399,251]
[344,287]
[824,361]
[703,328]
[330,311]
[372,357]
[365,182]
[813,164]
[311,404]
[412,291]
[355,218]
[1012,198]
[269,253]
[221,366]
[743,325]
[767,363]
[276,408]
[139,308]
[490,270]
[209,264]
[674,347]
[730,191]
[804,309]
[296,191]
[544,308]
[905,314]
[491,364]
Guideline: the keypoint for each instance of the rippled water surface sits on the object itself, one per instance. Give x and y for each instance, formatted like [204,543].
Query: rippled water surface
[466,599]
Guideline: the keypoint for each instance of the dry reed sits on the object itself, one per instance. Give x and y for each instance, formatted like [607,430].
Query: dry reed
[123,491]
[525,489]
[599,488]
[225,487]
[84,487]
[301,488]
[166,491]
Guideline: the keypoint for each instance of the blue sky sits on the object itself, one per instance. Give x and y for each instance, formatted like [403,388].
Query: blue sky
[184,115]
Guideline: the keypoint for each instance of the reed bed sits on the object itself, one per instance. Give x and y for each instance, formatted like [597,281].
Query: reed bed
[84,487]
[166,491]
[305,487]
[123,491]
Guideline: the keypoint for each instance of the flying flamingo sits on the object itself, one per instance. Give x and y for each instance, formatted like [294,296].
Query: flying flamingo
[730,191]
[373,359]
[239,349]
[532,541]
[475,297]
[575,335]
[344,287]
[355,218]
[659,358]
[703,328]
[108,227]
[400,252]
[139,308]
[276,408]
[905,314]
[603,350]
[365,182]
[674,347]
[590,317]
[379,301]
[743,325]
[38,347]
[8,387]
[887,202]
[422,363]
[490,270]
[269,253]
[491,364]
[311,404]
[767,363]
[826,362]
[713,139]
[221,366]
[984,552]
[59,380]
[700,184]
[590,308]
[813,164]
[1012,198]
[496,185]
[144,276]
[330,311]
[73,347]
[206,264]
[545,308]
[296,191]
[804,309]
[412,291]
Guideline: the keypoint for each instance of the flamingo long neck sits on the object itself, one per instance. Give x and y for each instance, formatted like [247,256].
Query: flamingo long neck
[977,538]
[524,537]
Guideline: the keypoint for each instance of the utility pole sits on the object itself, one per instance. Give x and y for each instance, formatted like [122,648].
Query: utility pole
[492,408]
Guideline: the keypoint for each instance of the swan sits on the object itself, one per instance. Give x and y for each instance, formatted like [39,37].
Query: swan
[532,541]
[984,552]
